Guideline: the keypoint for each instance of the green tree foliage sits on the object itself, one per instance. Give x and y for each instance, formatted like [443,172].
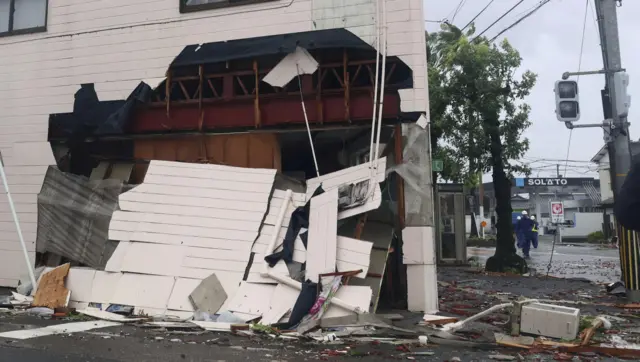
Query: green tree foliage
[479,117]
[460,70]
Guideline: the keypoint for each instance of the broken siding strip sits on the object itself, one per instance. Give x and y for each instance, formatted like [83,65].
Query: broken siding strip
[212,174]
[219,212]
[347,176]
[201,242]
[180,220]
[138,195]
[323,229]
[253,188]
[205,193]
[180,230]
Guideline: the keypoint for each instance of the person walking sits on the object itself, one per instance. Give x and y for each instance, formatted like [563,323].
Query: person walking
[534,231]
[525,225]
[518,232]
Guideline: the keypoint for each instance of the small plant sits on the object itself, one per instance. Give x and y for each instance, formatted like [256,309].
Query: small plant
[596,236]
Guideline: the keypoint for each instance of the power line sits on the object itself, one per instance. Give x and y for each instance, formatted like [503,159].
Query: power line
[500,18]
[460,6]
[477,15]
[584,27]
[531,12]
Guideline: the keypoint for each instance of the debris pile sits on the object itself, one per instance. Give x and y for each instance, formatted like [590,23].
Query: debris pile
[223,245]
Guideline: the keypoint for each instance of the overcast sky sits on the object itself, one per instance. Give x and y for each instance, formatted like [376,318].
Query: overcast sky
[549,43]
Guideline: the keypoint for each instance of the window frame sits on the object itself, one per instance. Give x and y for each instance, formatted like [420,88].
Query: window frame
[37,29]
[184,8]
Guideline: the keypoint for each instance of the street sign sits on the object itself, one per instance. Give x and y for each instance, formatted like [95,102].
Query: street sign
[557,212]
[437,165]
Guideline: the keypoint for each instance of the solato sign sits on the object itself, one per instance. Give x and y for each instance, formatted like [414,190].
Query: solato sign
[547,182]
[552,181]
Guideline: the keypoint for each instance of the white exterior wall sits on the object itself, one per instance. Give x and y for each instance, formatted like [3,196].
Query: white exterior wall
[585,223]
[117,43]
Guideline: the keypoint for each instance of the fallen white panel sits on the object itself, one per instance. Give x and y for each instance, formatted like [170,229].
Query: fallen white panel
[67,328]
[205,193]
[284,298]
[141,194]
[132,227]
[213,173]
[197,211]
[213,222]
[114,264]
[359,296]
[255,272]
[348,176]
[107,316]
[140,290]
[80,283]
[199,183]
[104,287]
[358,176]
[373,203]
[179,299]
[353,254]
[323,229]
[297,63]
[252,298]
[195,241]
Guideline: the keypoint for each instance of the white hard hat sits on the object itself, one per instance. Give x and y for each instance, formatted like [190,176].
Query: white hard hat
[524,212]
[533,217]
[519,218]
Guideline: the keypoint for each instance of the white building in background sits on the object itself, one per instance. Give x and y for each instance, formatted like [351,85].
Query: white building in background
[50,48]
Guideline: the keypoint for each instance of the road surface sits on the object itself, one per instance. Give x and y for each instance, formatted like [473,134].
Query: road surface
[598,264]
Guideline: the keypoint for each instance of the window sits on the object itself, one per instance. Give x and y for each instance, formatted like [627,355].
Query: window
[197,5]
[22,16]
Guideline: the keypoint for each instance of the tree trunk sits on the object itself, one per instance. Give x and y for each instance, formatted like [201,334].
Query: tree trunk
[505,258]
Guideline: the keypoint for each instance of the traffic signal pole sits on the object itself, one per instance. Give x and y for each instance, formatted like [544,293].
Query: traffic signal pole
[617,137]
[615,102]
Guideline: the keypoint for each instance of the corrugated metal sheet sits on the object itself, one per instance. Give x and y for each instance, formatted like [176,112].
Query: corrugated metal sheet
[74,215]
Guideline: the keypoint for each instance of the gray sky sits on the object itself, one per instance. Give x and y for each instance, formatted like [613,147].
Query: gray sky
[549,43]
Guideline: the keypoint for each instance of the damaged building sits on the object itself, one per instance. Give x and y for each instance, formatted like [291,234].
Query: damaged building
[260,146]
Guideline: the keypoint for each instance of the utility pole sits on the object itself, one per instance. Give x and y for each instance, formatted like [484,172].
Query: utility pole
[558,170]
[617,136]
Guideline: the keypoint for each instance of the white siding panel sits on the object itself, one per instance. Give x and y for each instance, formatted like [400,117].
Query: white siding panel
[323,229]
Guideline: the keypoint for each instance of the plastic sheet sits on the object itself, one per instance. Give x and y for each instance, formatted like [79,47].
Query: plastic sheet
[74,215]
[416,173]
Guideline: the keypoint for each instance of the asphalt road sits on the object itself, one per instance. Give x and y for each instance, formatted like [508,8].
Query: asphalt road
[601,265]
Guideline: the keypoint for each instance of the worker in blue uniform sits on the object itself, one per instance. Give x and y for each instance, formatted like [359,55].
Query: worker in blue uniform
[534,241]
[518,232]
[526,225]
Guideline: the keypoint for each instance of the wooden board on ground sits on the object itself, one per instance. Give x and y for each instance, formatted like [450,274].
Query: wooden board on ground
[51,291]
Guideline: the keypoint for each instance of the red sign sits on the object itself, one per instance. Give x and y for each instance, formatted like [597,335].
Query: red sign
[557,211]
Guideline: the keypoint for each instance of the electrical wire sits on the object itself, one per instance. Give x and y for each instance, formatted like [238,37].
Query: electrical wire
[478,14]
[460,6]
[500,18]
[584,27]
[531,12]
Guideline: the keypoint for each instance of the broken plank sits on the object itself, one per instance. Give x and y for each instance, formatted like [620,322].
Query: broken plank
[323,229]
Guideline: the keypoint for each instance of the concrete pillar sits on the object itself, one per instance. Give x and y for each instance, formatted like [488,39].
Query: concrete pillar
[419,249]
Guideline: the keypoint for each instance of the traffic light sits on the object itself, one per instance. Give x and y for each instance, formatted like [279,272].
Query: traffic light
[567,101]
[623,100]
